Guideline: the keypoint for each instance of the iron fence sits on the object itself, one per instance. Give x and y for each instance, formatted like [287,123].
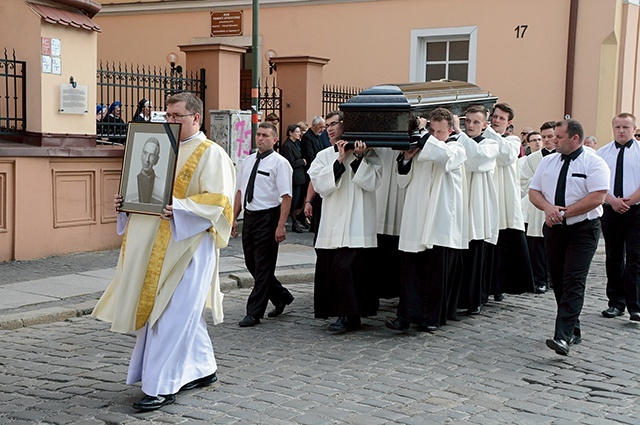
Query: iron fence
[269,97]
[333,96]
[13,93]
[129,84]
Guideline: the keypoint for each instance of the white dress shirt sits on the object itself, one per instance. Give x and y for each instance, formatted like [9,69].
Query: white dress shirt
[630,166]
[273,181]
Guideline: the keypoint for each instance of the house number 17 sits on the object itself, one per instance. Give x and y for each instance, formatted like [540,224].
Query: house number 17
[520,30]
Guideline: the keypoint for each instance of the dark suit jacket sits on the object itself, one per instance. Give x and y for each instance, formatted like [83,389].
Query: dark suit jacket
[311,145]
[292,152]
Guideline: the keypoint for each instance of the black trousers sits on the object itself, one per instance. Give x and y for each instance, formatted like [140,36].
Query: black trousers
[477,274]
[570,250]
[425,287]
[622,244]
[260,255]
[343,284]
[538,257]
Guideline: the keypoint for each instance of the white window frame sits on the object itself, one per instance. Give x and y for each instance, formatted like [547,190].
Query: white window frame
[420,37]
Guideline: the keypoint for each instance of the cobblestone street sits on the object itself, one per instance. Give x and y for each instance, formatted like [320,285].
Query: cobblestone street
[488,369]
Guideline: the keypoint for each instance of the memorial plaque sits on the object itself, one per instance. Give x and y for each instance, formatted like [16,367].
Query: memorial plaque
[226,23]
[74,100]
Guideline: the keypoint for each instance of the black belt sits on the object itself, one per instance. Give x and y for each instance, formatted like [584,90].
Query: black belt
[260,212]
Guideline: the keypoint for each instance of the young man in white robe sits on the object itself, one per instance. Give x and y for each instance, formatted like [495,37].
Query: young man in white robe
[433,231]
[346,179]
[512,267]
[482,210]
[168,268]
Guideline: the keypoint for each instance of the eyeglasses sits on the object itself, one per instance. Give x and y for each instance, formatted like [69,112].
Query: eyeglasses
[333,124]
[176,117]
[637,136]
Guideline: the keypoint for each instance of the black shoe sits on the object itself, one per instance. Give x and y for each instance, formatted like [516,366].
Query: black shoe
[559,346]
[540,289]
[200,382]
[428,328]
[397,324]
[575,340]
[279,308]
[635,316]
[498,297]
[474,311]
[149,403]
[344,324]
[612,312]
[249,321]
[304,225]
[295,228]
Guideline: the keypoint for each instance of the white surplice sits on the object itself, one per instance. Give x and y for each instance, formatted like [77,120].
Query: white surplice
[434,210]
[349,204]
[507,180]
[389,196]
[483,198]
[534,217]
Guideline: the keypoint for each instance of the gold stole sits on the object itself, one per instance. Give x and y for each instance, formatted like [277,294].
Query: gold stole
[163,236]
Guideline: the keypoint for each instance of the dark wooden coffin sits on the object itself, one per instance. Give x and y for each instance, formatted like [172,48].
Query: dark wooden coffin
[383,116]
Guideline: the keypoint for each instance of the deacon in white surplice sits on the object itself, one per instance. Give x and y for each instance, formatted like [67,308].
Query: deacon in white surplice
[483,212]
[512,267]
[168,268]
[347,181]
[433,230]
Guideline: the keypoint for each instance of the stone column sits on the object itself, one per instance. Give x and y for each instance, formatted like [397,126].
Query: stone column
[222,63]
[300,78]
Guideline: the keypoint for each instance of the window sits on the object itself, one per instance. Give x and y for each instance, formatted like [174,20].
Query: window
[444,53]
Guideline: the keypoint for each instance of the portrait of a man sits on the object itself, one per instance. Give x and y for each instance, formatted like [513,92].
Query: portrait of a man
[149,185]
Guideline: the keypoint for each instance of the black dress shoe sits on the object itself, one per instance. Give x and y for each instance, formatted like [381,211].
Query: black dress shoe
[344,324]
[279,308]
[304,225]
[249,321]
[296,228]
[149,403]
[612,312]
[498,297]
[474,311]
[635,316]
[200,382]
[559,346]
[540,289]
[428,328]
[575,340]
[397,324]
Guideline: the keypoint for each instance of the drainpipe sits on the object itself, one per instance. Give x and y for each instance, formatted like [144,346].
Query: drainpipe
[571,55]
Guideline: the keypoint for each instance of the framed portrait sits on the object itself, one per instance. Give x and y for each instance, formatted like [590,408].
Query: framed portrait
[148,167]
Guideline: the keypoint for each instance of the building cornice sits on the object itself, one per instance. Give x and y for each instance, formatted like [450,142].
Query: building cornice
[176,6]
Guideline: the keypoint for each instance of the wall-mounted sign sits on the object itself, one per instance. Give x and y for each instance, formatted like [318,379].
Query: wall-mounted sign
[56,66]
[56,47]
[226,23]
[46,64]
[45,46]
[74,100]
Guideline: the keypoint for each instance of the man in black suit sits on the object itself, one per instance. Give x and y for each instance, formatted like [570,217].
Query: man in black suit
[311,144]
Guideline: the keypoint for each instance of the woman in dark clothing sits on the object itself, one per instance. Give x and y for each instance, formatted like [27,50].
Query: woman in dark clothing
[113,124]
[291,150]
[143,111]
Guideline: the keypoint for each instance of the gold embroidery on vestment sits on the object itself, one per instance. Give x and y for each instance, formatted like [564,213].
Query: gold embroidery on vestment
[163,236]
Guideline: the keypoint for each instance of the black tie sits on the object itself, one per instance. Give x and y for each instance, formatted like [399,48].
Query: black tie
[617,181]
[562,181]
[248,196]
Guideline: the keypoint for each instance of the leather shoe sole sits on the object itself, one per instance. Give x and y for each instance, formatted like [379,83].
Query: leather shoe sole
[149,403]
[612,312]
[249,321]
[201,382]
[635,316]
[559,346]
[279,308]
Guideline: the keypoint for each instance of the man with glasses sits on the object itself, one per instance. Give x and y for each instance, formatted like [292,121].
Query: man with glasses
[347,179]
[168,268]
[621,219]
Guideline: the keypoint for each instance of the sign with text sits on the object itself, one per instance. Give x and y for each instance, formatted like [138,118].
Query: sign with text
[74,100]
[45,46]
[226,23]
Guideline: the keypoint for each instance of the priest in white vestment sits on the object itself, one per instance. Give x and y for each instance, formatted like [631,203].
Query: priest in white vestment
[346,180]
[433,230]
[483,212]
[168,268]
[512,267]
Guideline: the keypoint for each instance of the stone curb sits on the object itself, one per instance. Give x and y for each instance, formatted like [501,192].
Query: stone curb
[44,315]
